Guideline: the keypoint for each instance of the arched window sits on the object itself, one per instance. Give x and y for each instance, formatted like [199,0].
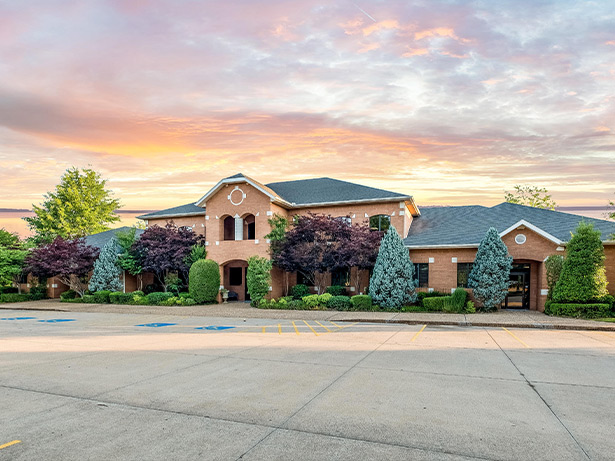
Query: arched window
[249,223]
[229,228]
[380,222]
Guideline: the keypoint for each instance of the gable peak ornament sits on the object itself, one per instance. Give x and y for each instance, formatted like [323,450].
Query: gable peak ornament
[236,196]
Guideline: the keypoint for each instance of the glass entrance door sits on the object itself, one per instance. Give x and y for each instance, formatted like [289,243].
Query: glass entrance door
[519,290]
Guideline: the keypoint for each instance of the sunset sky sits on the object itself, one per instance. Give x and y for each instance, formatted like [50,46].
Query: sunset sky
[452,102]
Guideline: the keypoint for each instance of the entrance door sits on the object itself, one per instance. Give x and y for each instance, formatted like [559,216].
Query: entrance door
[518,296]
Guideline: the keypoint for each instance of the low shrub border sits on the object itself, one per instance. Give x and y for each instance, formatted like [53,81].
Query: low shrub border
[588,311]
[136,298]
[18,297]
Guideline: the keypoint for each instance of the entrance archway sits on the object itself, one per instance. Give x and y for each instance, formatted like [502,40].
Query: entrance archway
[234,279]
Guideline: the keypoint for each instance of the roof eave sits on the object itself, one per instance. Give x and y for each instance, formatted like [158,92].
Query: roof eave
[242,179]
[172,215]
[445,246]
[351,202]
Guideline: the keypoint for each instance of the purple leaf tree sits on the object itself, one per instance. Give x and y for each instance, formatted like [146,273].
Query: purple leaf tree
[69,260]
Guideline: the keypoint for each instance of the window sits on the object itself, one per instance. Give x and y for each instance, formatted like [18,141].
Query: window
[235,276]
[229,228]
[380,222]
[340,277]
[463,274]
[421,274]
[250,229]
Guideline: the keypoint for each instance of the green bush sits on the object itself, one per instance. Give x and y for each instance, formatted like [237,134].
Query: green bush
[184,295]
[336,290]
[117,297]
[188,302]
[89,299]
[14,297]
[436,303]
[317,301]
[339,303]
[361,302]
[299,291]
[138,300]
[158,297]
[171,301]
[8,290]
[102,297]
[283,303]
[470,309]
[589,311]
[433,294]
[258,278]
[68,294]
[38,292]
[204,281]
[138,293]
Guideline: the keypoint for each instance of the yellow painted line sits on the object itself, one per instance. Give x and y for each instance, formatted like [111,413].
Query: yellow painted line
[279,328]
[310,327]
[296,330]
[14,442]
[328,331]
[333,323]
[514,336]
[417,334]
[264,329]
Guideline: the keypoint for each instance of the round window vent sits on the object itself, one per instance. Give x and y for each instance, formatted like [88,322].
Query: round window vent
[520,239]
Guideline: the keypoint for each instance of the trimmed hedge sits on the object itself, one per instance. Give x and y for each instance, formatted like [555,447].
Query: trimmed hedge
[299,291]
[436,303]
[361,302]
[316,301]
[455,303]
[102,296]
[433,294]
[589,311]
[158,297]
[339,303]
[336,290]
[204,281]
[68,294]
[15,297]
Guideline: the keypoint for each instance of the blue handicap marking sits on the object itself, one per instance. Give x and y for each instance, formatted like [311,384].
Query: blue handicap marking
[156,325]
[57,320]
[18,318]
[213,327]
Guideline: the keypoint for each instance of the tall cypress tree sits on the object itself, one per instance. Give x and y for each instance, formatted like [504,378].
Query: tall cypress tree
[392,283]
[583,276]
[490,275]
[107,272]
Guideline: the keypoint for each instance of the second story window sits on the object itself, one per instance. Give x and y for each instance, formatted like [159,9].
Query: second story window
[249,223]
[380,222]
[229,228]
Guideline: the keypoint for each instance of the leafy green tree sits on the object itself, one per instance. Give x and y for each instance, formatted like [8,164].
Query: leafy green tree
[107,272]
[392,282]
[197,252]
[204,281]
[531,196]
[583,277]
[553,266]
[79,206]
[258,278]
[490,275]
[12,256]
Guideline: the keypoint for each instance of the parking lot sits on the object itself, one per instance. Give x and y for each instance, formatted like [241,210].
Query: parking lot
[131,386]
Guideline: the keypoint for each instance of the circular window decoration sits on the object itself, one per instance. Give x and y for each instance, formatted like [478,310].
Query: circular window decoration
[520,239]
[236,196]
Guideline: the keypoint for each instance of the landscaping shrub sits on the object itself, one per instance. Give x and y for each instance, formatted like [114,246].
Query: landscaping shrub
[107,272]
[38,292]
[456,303]
[204,281]
[184,295]
[361,302]
[282,303]
[299,291]
[89,299]
[436,303]
[424,294]
[188,302]
[151,288]
[138,293]
[68,294]
[339,303]
[316,301]
[8,290]
[336,290]
[583,276]
[14,297]
[102,296]
[138,300]
[158,297]
[258,278]
[553,267]
[114,297]
[589,311]
[470,309]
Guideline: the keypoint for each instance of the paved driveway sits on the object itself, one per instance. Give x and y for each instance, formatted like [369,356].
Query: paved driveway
[132,386]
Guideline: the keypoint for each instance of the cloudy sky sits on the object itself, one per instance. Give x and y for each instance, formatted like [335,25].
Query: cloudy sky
[453,102]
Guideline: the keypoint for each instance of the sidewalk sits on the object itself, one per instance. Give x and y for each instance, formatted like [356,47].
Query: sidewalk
[504,318]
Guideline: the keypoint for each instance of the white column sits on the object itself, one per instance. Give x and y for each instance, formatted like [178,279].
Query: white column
[238,228]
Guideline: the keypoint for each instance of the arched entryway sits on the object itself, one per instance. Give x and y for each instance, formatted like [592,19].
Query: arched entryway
[234,279]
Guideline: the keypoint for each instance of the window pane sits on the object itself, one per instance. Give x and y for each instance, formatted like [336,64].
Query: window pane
[340,277]
[463,274]
[421,274]
[380,222]
[235,275]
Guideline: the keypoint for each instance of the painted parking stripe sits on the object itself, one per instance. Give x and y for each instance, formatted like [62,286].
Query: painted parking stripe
[18,318]
[515,336]
[296,329]
[156,325]
[417,334]
[328,331]
[56,320]
[14,442]
[310,327]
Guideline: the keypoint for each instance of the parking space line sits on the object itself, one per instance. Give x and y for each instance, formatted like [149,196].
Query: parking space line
[264,329]
[14,442]
[296,329]
[417,334]
[310,327]
[328,331]
[279,328]
[514,336]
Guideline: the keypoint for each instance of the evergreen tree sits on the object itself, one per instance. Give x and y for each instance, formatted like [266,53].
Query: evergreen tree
[258,278]
[583,276]
[490,275]
[107,272]
[392,283]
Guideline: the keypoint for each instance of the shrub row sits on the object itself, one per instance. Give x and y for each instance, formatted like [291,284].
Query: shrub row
[590,311]
[320,302]
[136,298]
[455,303]
[19,297]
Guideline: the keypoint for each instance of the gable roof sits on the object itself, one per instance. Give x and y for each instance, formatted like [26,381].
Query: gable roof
[190,209]
[100,240]
[325,191]
[240,178]
[466,225]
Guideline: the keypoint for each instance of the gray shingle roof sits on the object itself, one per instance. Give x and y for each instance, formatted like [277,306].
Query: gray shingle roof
[189,209]
[327,190]
[467,225]
[100,240]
